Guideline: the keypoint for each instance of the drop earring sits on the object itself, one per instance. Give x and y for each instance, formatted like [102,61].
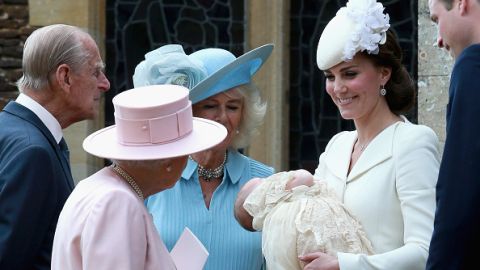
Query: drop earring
[383,91]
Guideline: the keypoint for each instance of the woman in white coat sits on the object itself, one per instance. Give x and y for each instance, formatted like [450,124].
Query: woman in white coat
[385,171]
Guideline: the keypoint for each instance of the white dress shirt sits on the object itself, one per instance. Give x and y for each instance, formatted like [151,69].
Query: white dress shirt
[45,116]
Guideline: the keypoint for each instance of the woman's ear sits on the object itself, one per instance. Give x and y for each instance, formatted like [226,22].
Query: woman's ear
[385,74]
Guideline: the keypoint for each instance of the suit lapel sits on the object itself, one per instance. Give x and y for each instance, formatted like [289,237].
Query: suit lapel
[338,159]
[379,150]
[28,116]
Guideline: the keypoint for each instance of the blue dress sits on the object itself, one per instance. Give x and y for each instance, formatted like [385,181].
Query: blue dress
[230,246]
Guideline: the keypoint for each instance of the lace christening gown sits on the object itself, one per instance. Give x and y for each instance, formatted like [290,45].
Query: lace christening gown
[302,220]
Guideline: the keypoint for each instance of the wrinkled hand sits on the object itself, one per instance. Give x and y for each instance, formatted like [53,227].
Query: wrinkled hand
[319,261]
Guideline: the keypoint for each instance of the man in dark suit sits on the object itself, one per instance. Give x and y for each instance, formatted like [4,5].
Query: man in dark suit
[456,234]
[62,84]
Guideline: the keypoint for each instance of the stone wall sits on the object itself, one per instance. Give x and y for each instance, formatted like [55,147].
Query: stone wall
[434,67]
[14,29]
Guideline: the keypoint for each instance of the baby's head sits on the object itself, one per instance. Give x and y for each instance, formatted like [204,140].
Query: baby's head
[242,216]
[298,178]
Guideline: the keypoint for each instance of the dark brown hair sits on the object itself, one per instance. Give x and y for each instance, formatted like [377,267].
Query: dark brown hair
[400,88]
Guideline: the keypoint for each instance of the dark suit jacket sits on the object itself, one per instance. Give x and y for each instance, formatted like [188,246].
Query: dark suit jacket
[456,233]
[35,181]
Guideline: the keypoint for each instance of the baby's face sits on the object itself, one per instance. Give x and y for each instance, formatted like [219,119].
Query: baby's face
[303,175]
[300,177]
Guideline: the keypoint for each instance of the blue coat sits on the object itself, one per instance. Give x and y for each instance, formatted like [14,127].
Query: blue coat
[456,233]
[35,181]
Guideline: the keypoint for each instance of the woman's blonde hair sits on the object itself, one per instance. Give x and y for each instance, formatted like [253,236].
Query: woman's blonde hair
[254,109]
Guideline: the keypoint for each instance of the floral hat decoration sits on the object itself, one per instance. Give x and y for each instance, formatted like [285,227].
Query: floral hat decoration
[169,65]
[359,26]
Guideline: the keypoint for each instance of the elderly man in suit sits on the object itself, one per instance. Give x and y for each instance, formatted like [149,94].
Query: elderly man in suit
[456,231]
[62,83]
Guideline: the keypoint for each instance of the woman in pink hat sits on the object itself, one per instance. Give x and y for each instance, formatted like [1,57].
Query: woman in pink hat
[220,90]
[104,223]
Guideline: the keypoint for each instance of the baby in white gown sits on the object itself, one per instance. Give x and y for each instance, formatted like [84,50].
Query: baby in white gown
[295,221]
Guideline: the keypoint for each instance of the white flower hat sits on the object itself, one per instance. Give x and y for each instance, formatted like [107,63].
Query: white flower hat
[359,26]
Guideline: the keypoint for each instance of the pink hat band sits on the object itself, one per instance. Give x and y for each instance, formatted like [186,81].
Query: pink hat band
[148,131]
[154,125]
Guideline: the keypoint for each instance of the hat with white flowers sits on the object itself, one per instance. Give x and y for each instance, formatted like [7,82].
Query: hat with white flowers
[360,26]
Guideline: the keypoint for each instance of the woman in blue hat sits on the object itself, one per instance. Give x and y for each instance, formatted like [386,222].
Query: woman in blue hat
[203,199]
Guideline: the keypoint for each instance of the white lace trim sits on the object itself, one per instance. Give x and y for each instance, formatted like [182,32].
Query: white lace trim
[371,25]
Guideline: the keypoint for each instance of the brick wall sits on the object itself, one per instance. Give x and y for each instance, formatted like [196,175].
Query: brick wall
[14,29]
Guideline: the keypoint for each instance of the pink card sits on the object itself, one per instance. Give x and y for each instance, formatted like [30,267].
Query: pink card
[189,253]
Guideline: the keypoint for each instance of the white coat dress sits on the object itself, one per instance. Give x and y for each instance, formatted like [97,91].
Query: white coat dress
[390,189]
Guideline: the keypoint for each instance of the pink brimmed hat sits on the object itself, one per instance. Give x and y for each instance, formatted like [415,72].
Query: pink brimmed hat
[154,122]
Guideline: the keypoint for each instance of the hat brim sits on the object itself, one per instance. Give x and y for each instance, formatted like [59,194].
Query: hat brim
[225,79]
[205,134]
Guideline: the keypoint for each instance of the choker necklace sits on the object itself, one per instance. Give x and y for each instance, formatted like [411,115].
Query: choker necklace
[123,174]
[209,174]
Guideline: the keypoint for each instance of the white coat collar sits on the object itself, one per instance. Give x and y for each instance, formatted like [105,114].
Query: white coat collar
[377,151]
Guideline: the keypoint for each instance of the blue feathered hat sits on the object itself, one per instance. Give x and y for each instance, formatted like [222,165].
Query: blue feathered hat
[206,72]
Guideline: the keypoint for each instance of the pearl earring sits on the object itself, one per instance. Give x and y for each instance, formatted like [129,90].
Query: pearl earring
[383,91]
[169,168]
[237,131]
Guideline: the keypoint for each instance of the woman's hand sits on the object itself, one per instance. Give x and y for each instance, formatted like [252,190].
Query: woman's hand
[319,261]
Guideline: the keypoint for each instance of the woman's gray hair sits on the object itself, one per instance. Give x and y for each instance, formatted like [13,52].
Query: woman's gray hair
[46,49]
[254,110]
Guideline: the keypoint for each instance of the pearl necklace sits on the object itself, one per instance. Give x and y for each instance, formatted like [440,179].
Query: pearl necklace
[123,174]
[209,174]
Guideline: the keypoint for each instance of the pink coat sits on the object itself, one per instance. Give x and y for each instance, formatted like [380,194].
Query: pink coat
[104,225]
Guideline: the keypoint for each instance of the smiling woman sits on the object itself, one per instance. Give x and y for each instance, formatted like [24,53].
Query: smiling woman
[388,166]
[221,90]
[354,86]
[225,108]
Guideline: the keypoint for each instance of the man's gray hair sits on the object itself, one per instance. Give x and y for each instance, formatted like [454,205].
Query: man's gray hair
[46,49]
